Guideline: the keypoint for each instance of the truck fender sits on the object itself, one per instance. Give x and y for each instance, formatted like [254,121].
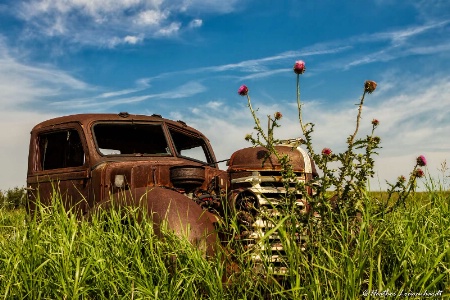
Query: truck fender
[178,212]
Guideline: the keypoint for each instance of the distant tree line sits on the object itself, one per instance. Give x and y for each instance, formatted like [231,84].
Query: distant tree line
[12,198]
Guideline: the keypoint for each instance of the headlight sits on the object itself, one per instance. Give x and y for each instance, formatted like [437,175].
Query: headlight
[119,181]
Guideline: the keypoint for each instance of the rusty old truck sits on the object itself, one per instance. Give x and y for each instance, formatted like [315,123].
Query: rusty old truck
[166,166]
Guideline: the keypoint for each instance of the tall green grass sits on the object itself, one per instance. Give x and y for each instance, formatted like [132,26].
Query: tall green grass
[55,256]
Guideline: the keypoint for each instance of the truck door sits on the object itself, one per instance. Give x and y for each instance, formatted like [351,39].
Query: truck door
[60,166]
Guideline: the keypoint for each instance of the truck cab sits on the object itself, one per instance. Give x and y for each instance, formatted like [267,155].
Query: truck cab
[88,157]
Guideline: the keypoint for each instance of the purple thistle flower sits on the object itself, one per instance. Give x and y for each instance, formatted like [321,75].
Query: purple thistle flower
[299,67]
[375,122]
[421,161]
[243,90]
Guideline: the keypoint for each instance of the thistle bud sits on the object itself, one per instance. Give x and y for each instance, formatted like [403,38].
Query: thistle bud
[326,151]
[370,86]
[419,173]
[277,115]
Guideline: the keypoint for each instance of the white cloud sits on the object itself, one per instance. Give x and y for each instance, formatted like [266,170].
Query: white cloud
[132,39]
[169,30]
[151,17]
[101,22]
[216,105]
[195,23]
[209,6]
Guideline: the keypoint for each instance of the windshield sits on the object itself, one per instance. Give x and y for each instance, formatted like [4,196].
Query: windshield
[130,139]
[190,146]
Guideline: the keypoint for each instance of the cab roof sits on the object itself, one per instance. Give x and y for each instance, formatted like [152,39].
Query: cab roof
[87,119]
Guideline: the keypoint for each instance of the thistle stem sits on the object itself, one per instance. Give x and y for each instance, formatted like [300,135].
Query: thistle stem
[299,105]
[249,103]
[257,122]
[346,162]
[358,118]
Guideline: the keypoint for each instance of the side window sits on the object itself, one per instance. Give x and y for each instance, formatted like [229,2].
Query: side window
[61,149]
[190,146]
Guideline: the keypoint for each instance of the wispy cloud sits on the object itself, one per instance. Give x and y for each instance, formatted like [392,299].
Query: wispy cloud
[398,37]
[398,43]
[21,83]
[119,93]
[101,23]
[256,68]
[106,101]
[257,65]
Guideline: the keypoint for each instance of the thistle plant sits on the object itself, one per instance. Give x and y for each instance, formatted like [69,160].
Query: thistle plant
[268,141]
[403,188]
[343,187]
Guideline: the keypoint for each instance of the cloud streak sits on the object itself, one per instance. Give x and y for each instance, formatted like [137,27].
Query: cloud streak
[106,101]
[401,43]
[21,83]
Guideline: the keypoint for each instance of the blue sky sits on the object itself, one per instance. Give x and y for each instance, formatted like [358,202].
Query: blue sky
[185,59]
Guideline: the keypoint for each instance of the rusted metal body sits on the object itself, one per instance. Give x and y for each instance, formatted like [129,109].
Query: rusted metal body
[259,194]
[90,159]
[253,172]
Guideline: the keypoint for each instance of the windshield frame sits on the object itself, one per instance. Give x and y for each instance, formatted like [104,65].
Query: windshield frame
[168,144]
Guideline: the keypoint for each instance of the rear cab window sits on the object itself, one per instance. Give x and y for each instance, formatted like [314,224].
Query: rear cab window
[59,149]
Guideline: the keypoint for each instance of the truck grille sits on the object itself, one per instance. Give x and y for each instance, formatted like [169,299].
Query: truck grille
[261,210]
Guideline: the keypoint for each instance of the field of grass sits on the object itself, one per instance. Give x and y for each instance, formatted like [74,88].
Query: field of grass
[58,257]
